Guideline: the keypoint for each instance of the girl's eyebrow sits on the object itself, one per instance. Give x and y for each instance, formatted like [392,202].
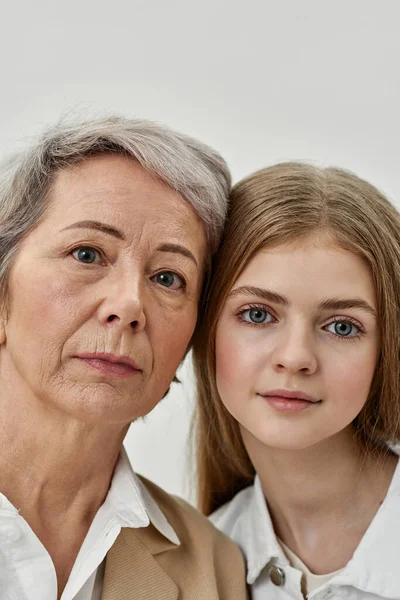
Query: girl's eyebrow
[343,304]
[329,304]
[250,290]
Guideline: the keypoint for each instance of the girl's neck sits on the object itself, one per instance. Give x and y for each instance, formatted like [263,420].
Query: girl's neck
[315,494]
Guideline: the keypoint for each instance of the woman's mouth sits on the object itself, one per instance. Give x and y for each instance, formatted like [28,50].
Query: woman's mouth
[109,364]
[289,401]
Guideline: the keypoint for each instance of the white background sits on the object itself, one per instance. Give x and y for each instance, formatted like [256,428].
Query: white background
[260,80]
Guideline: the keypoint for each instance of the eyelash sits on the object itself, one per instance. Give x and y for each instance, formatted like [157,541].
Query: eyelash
[353,338]
[239,315]
[86,247]
[181,277]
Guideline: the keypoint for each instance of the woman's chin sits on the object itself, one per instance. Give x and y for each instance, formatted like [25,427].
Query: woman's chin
[105,407]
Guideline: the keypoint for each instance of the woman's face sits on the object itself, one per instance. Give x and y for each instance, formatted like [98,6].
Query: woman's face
[297,344]
[102,298]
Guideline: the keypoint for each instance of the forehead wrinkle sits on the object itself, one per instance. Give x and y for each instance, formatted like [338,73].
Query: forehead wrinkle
[169,219]
[111,191]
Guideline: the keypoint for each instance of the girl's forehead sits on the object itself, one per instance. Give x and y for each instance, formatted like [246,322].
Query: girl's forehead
[314,266]
[320,238]
[309,252]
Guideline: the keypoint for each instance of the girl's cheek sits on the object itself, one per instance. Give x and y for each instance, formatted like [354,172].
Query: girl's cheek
[351,379]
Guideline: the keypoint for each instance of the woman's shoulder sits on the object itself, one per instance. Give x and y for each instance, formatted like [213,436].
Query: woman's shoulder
[202,562]
[188,523]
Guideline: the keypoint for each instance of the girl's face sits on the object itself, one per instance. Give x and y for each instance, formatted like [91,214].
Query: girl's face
[297,343]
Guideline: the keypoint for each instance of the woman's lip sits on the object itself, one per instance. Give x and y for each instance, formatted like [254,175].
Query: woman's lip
[109,364]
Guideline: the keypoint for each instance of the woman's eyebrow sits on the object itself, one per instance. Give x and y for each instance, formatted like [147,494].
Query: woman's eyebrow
[109,230]
[99,226]
[177,249]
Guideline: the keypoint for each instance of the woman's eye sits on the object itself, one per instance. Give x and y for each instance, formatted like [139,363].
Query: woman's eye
[343,328]
[256,316]
[86,255]
[169,280]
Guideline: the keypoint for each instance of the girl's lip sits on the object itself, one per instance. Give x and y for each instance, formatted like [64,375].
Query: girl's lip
[109,364]
[290,395]
[283,404]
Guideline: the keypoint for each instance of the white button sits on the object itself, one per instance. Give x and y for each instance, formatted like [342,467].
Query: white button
[9,532]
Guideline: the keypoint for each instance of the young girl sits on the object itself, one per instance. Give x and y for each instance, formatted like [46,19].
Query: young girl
[298,373]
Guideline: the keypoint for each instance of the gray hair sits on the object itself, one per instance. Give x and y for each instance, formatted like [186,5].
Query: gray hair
[188,166]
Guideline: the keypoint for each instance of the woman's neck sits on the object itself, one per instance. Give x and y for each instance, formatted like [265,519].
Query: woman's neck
[56,470]
[323,498]
[63,460]
[64,463]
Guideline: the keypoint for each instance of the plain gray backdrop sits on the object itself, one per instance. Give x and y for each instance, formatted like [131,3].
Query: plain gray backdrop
[262,81]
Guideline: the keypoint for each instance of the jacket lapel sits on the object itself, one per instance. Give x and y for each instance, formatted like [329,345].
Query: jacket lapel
[132,572]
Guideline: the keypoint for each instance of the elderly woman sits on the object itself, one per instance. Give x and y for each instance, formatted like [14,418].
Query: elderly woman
[106,232]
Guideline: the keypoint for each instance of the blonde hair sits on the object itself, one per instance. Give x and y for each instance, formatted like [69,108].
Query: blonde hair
[271,207]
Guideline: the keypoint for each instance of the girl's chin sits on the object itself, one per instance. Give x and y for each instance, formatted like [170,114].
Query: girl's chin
[283,439]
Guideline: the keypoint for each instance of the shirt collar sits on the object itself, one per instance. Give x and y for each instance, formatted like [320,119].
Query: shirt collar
[255,534]
[133,503]
[375,564]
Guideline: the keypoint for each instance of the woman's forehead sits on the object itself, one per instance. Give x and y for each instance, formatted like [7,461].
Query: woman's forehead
[120,193]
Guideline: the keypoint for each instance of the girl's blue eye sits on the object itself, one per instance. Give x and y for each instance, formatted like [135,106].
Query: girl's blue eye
[86,255]
[256,316]
[169,280]
[343,328]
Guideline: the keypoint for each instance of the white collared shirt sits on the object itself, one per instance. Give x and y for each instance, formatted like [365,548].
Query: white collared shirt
[26,569]
[373,573]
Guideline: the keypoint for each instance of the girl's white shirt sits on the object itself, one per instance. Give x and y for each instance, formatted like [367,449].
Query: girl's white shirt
[311,581]
[373,573]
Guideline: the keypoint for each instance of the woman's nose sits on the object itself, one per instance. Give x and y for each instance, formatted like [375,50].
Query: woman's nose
[123,305]
[295,352]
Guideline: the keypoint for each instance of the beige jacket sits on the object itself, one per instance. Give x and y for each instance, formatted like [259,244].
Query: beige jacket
[144,565]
